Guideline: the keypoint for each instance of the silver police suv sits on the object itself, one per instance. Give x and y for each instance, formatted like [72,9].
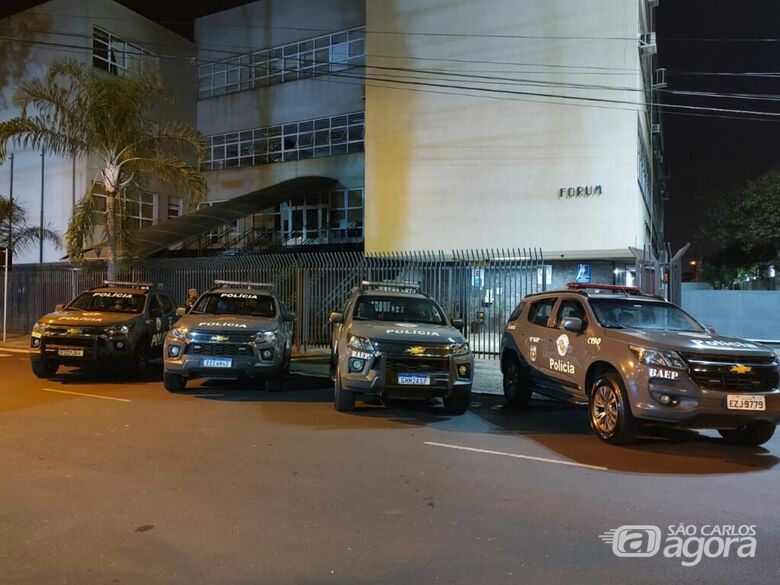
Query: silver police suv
[118,324]
[393,342]
[234,330]
[634,358]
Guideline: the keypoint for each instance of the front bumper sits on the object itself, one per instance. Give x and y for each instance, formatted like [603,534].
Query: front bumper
[695,406]
[245,360]
[379,378]
[81,350]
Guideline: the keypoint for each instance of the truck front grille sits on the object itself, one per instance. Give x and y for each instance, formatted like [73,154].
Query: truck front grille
[219,349]
[733,373]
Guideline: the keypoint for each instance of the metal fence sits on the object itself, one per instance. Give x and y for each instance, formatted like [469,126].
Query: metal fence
[481,286]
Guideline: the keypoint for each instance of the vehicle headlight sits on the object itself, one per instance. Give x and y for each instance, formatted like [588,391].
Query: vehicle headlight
[460,349]
[118,330]
[265,337]
[38,329]
[179,333]
[659,357]
[360,343]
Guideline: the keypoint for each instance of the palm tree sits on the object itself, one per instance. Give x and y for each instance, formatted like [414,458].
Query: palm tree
[23,235]
[75,110]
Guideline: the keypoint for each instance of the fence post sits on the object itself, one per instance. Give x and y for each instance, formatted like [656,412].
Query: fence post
[301,309]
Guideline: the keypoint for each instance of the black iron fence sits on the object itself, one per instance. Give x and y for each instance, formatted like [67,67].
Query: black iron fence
[480,286]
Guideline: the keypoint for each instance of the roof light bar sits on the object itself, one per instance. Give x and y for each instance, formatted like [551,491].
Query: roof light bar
[127,284]
[239,284]
[391,285]
[611,287]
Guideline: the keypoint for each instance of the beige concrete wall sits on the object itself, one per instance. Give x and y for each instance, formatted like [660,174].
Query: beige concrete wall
[446,170]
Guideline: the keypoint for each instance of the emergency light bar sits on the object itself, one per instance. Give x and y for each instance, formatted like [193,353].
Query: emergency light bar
[238,284]
[126,284]
[629,290]
[391,285]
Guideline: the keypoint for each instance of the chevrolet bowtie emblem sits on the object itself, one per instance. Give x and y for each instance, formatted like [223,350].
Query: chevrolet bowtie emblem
[74,331]
[416,350]
[740,369]
[219,338]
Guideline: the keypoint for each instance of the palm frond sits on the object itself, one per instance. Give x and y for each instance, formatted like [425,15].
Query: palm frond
[81,227]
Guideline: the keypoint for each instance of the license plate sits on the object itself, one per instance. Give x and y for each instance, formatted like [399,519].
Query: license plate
[70,352]
[745,402]
[217,363]
[413,380]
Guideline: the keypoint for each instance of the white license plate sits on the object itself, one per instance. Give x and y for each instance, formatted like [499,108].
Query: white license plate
[745,402]
[413,380]
[217,363]
[70,352]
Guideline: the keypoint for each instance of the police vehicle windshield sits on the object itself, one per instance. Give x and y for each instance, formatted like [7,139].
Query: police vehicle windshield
[406,309]
[107,301]
[236,303]
[645,315]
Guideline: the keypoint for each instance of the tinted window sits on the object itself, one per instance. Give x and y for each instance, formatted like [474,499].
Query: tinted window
[570,308]
[540,311]
[516,313]
[648,315]
[112,302]
[407,309]
[256,305]
[165,304]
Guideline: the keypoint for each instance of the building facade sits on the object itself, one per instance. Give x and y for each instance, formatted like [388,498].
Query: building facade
[440,125]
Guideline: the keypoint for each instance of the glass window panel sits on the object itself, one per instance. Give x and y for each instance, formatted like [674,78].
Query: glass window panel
[275,53]
[305,153]
[321,138]
[337,217]
[355,133]
[231,163]
[338,135]
[246,135]
[275,131]
[290,142]
[260,134]
[290,129]
[217,140]
[291,64]
[291,155]
[337,200]
[275,66]
[322,151]
[322,57]
[305,139]
[246,149]
[275,79]
[322,124]
[232,137]
[339,54]
[291,50]
[304,46]
[218,165]
[355,216]
[355,147]
[306,126]
[355,198]
[338,121]
[357,118]
[260,146]
[356,49]
[261,160]
[338,149]
[275,157]
[338,38]
[217,153]
[322,42]
[275,144]
[231,151]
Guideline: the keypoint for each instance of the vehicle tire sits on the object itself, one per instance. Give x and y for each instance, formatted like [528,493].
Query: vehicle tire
[140,360]
[610,412]
[174,382]
[459,402]
[517,382]
[43,369]
[274,381]
[750,435]
[344,400]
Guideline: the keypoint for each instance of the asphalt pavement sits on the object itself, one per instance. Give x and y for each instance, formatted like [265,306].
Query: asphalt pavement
[118,481]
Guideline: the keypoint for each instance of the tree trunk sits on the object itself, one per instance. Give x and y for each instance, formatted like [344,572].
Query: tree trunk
[111,234]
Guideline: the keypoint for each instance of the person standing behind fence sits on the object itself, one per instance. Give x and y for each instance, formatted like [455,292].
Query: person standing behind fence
[192,296]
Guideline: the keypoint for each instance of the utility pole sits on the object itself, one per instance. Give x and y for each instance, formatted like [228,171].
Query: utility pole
[9,246]
[40,235]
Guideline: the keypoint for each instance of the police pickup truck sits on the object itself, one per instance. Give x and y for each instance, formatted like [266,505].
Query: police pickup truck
[634,358]
[117,324]
[234,330]
[393,342]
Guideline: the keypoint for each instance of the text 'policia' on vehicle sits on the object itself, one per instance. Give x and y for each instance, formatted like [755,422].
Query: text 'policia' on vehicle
[119,323]
[635,358]
[234,330]
[393,342]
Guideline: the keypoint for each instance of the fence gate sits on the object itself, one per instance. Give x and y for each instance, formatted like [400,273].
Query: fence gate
[482,287]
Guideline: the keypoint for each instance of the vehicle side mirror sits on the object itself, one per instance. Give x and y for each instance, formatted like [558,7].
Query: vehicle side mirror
[710,329]
[573,324]
[288,316]
[458,324]
[59,307]
[336,317]
[181,311]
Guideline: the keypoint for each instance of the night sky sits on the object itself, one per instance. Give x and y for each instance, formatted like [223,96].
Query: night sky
[703,154]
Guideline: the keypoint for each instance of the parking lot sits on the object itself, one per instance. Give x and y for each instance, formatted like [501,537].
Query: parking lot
[111,481]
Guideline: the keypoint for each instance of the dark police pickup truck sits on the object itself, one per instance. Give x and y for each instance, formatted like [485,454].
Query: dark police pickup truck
[117,324]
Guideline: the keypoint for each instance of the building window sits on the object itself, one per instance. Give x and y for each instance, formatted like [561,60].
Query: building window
[330,136]
[643,173]
[115,55]
[141,209]
[315,56]
[174,207]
